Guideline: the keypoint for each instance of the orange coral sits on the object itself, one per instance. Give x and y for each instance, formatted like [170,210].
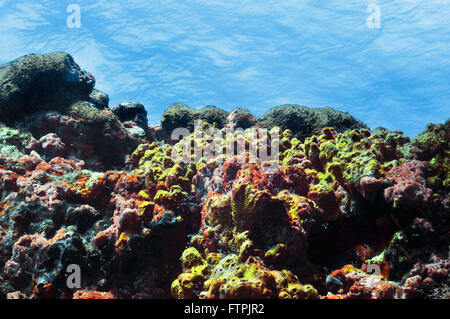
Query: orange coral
[85,294]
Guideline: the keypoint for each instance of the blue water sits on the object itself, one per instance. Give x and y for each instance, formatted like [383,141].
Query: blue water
[253,53]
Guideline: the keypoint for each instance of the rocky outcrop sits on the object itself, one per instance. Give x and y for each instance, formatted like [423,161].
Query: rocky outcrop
[41,82]
[241,118]
[300,120]
[99,99]
[304,122]
[134,112]
[53,98]
[181,115]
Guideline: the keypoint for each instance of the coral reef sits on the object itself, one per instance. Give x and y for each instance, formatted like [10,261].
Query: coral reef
[335,211]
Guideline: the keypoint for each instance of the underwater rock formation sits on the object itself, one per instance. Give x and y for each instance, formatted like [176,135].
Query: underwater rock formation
[41,82]
[99,99]
[300,120]
[134,112]
[304,121]
[345,213]
[52,98]
[181,115]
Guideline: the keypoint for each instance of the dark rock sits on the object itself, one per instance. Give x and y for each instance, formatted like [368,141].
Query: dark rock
[38,82]
[212,115]
[241,118]
[107,135]
[181,115]
[175,116]
[134,112]
[301,120]
[99,99]
[304,121]
[433,141]
[333,284]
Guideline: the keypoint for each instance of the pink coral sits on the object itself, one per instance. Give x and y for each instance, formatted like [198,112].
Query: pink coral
[409,185]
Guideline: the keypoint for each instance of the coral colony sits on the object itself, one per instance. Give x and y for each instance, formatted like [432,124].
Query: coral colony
[297,203]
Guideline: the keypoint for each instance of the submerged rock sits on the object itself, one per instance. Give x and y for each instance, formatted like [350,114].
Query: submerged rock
[300,120]
[51,97]
[134,112]
[182,116]
[241,118]
[99,99]
[304,122]
[41,82]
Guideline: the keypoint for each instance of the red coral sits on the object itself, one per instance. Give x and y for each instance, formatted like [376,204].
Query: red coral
[409,185]
[87,294]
